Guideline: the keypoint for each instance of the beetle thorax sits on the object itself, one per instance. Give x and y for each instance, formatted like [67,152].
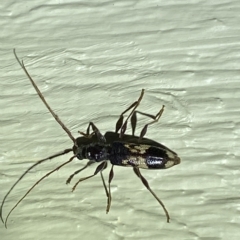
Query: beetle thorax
[94,152]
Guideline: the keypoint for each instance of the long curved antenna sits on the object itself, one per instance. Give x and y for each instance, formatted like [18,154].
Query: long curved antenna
[49,173]
[30,168]
[44,101]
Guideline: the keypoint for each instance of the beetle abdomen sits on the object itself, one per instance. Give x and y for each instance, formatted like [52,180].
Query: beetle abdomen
[142,156]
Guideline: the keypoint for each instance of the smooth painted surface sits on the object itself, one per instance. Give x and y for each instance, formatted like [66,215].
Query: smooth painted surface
[91,60]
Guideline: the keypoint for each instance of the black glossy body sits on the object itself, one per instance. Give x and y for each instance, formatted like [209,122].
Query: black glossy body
[127,151]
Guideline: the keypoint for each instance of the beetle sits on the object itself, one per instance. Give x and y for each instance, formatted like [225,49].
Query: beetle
[116,147]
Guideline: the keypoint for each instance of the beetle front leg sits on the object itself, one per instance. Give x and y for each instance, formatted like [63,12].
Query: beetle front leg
[95,130]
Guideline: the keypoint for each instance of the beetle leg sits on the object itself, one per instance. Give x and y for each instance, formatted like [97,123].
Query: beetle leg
[99,168]
[145,183]
[95,130]
[144,130]
[111,175]
[123,126]
[78,171]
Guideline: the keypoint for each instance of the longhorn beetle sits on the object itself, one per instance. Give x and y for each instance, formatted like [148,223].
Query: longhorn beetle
[117,147]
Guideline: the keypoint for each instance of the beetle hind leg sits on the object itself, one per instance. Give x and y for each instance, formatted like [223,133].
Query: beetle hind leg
[111,175]
[145,183]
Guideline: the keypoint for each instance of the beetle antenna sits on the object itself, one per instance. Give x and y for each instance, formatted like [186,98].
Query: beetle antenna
[30,168]
[44,101]
[36,183]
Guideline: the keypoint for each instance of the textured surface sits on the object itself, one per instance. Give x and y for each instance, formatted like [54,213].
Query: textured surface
[91,61]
